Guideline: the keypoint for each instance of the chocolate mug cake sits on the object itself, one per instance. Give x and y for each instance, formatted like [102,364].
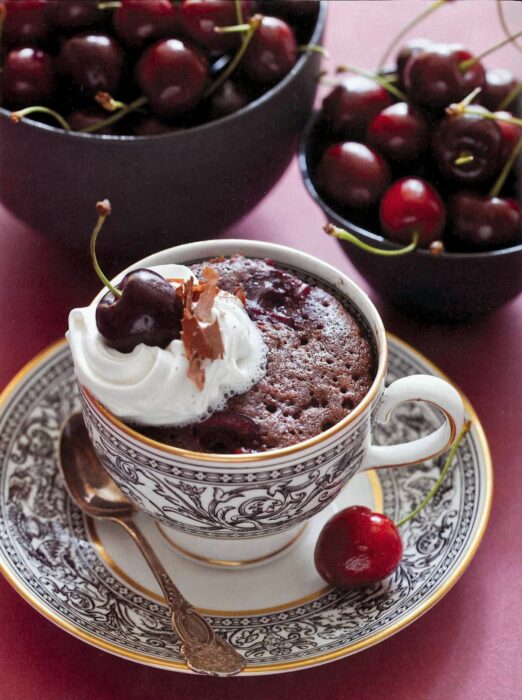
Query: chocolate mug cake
[320,364]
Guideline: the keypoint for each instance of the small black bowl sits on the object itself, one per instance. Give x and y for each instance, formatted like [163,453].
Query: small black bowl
[450,288]
[168,189]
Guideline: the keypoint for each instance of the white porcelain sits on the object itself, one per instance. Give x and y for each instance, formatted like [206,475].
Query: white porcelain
[230,509]
[90,580]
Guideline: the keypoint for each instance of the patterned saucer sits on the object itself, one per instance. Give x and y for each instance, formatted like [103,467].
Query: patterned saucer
[90,580]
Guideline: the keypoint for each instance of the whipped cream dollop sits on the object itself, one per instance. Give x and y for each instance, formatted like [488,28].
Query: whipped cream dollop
[150,385]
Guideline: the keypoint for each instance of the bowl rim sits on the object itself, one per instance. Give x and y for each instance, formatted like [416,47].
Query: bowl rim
[371,237]
[304,59]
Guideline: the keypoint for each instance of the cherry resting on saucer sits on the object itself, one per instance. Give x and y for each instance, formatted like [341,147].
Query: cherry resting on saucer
[357,547]
[149,311]
[412,206]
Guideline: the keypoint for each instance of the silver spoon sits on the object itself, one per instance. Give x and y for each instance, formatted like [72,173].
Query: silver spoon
[94,491]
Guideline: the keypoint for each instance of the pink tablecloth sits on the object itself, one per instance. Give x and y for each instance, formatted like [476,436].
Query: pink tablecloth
[469,645]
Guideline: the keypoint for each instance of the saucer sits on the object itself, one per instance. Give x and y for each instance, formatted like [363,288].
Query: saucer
[89,579]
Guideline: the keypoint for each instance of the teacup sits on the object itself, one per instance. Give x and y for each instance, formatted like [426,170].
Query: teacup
[244,509]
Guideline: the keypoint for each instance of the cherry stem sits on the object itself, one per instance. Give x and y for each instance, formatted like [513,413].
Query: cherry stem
[344,235]
[253,25]
[501,179]
[416,20]
[110,5]
[512,94]
[503,22]
[464,159]
[18,116]
[465,65]
[239,12]
[449,459]
[456,110]
[116,116]
[378,79]
[104,210]
[315,48]
[107,102]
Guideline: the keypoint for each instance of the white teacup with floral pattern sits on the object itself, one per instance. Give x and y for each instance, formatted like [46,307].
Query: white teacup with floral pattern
[246,508]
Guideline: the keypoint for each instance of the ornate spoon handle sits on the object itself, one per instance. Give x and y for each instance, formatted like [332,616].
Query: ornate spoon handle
[204,651]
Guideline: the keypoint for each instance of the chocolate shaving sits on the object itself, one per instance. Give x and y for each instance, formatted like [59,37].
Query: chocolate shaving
[240,294]
[196,372]
[203,311]
[200,342]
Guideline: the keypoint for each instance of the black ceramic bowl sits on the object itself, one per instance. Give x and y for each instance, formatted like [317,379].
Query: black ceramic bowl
[166,189]
[452,287]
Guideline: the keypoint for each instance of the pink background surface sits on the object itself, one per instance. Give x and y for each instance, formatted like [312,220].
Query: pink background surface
[469,645]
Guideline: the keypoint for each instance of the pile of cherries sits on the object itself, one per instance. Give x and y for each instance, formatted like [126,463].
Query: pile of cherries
[161,60]
[394,157]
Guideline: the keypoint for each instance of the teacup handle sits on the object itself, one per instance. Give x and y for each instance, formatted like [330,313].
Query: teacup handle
[418,387]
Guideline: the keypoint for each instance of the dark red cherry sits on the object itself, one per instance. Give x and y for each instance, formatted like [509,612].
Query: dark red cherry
[92,62]
[498,83]
[26,22]
[357,547]
[82,118]
[173,75]
[400,132]
[353,175]
[348,110]
[484,223]
[465,135]
[227,432]
[411,48]
[411,205]
[151,126]
[138,21]
[75,15]
[149,311]
[434,78]
[272,53]
[201,17]
[27,77]
[511,133]
[227,99]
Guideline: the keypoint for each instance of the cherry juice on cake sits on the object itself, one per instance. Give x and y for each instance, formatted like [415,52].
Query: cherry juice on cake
[260,358]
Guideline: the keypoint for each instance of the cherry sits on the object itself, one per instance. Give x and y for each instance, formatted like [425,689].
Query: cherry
[148,311]
[357,547]
[468,135]
[227,432]
[498,85]
[138,21]
[74,15]
[25,22]
[92,62]
[434,77]
[82,118]
[173,75]
[201,17]
[272,52]
[484,223]
[412,206]
[511,134]
[411,48]
[353,175]
[400,132]
[151,126]
[350,107]
[27,77]
[227,99]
